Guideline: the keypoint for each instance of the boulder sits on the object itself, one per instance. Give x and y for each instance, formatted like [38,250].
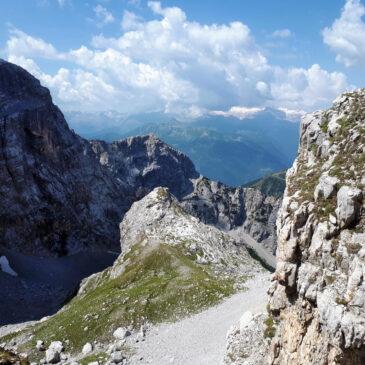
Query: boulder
[57,346]
[53,353]
[87,349]
[348,209]
[40,345]
[52,356]
[116,357]
[326,187]
[121,333]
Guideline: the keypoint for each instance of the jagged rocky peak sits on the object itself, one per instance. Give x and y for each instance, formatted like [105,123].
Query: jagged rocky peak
[148,162]
[318,290]
[20,90]
[243,209]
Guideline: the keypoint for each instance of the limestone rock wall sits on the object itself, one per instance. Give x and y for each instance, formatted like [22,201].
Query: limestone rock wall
[318,292]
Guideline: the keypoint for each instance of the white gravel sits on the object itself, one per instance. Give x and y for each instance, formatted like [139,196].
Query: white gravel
[201,339]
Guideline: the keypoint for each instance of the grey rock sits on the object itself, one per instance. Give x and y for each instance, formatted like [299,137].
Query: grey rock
[87,348]
[52,356]
[320,310]
[121,333]
[40,345]
[349,201]
[116,357]
[246,344]
[326,187]
[57,346]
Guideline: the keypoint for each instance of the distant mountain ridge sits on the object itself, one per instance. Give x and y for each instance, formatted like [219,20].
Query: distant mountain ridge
[222,148]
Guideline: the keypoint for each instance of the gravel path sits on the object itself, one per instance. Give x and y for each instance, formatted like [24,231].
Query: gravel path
[201,339]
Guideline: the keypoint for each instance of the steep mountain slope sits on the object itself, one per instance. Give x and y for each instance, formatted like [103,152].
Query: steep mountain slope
[172,265]
[61,193]
[55,196]
[272,185]
[318,293]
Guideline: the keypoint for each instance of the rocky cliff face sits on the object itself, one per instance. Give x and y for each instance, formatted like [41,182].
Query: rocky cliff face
[55,196]
[230,208]
[318,293]
[61,193]
[146,162]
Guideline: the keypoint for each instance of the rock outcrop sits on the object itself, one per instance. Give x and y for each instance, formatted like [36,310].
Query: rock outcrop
[160,218]
[246,343]
[318,292]
[60,193]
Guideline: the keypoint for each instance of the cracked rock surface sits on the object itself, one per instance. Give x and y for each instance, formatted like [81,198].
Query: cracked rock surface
[317,295]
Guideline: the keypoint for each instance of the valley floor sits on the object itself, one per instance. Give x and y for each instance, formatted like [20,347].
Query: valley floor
[201,339]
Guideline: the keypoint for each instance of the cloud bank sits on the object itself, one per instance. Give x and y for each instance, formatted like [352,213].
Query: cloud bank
[175,65]
[346,36]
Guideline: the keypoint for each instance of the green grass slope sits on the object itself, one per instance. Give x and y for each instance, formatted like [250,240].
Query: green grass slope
[157,284]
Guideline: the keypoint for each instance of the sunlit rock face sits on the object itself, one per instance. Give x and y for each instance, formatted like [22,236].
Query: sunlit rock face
[318,292]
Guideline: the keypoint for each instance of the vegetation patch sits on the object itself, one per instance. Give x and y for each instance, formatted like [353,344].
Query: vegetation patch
[270,328]
[272,185]
[158,284]
[325,122]
[100,357]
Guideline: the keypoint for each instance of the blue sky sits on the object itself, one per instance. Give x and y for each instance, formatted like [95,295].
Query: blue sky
[189,57]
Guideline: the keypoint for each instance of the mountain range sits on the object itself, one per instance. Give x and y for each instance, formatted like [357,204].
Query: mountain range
[224,148]
[62,195]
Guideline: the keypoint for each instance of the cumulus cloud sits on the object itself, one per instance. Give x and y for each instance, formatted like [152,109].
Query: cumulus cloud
[175,65]
[346,36]
[307,89]
[22,44]
[131,21]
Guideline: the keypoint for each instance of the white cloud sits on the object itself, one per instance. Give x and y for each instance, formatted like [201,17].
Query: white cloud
[346,36]
[172,64]
[240,112]
[292,115]
[22,44]
[103,16]
[282,33]
[131,21]
[307,89]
